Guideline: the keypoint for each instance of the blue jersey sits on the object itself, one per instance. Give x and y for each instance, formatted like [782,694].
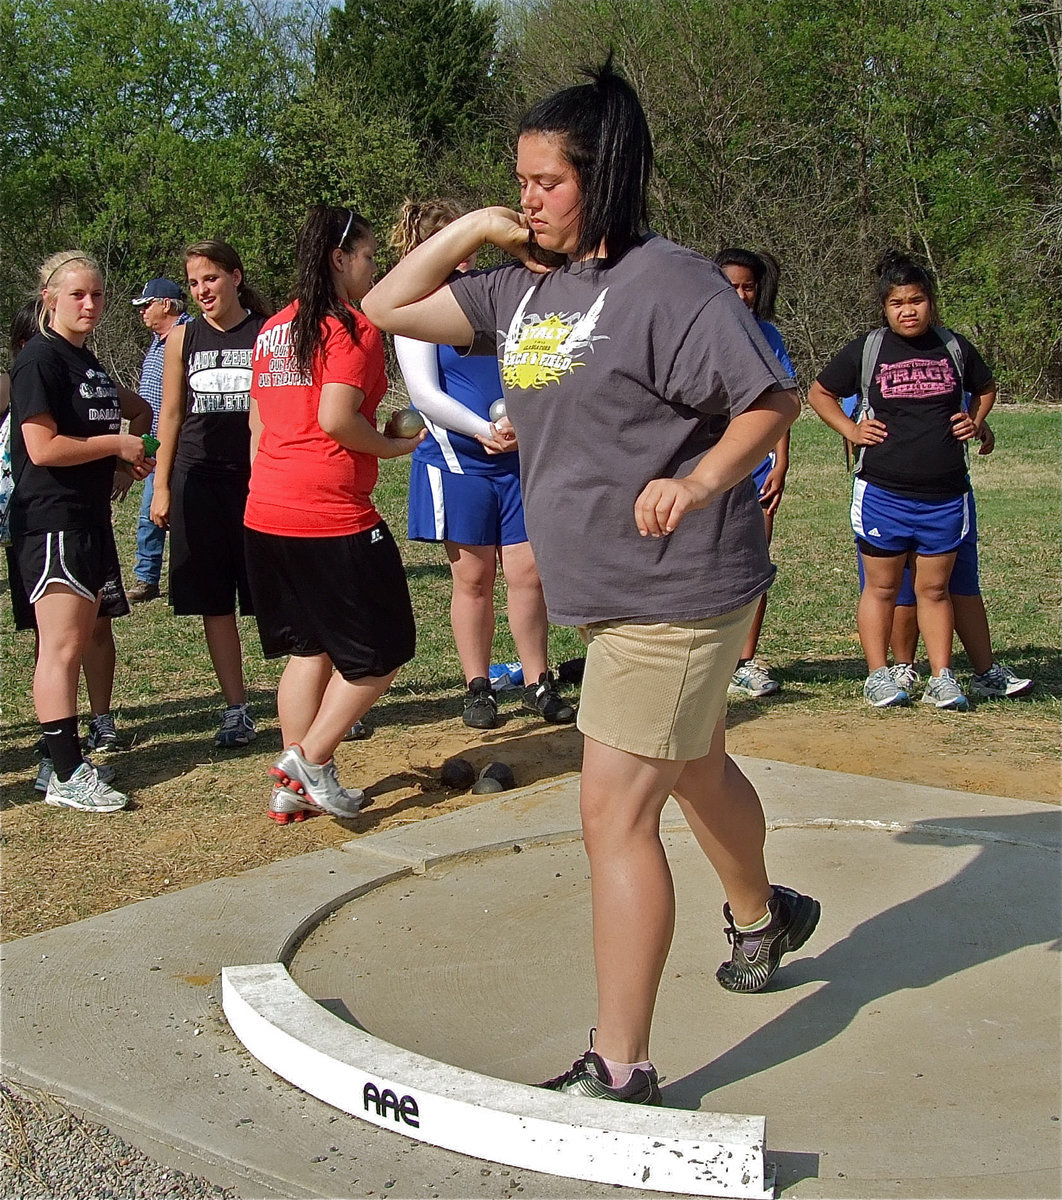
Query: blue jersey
[474,381]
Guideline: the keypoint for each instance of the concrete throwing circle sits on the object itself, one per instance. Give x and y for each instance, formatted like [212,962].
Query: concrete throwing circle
[887,1046]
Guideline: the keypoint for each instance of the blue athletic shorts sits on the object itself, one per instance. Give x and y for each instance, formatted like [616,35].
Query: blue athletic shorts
[893,524]
[759,476]
[472,510]
[965,576]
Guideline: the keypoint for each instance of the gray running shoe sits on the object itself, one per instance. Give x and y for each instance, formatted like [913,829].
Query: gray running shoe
[285,807]
[905,677]
[46,769]
[316,785]
[943,691]
[752,679]
[84,790]
[588,1076]
[237,728]
[102,735]
[880,690]
[756,956]
[999,681]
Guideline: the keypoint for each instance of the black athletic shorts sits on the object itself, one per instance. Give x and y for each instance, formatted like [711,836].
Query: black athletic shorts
[84,560]
[341,596]
[207,569]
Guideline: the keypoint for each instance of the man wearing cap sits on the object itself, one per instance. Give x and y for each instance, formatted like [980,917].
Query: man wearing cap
[162,307]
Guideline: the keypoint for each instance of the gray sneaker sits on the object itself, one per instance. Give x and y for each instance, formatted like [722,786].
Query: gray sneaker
[881,691]
[943,691]
[237,728]
[905,677]
[84,790]
[999,681]
[315,785]
[46,769]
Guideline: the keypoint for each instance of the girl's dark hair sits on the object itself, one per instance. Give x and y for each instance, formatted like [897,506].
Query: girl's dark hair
[606,139]
[325,229]
[765,271]
[24,325]
[225,256]
[896,269]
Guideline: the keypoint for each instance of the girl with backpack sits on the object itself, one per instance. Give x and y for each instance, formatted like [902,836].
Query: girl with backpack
[911,498]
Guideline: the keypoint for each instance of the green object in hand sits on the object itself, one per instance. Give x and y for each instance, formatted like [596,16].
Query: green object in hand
[151,444]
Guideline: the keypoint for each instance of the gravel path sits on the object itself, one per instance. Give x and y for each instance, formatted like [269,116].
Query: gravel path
[48,1152]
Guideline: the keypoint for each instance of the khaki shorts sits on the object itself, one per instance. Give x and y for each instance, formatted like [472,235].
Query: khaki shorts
[659,690]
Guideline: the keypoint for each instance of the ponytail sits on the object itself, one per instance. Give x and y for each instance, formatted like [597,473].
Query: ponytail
[606,138]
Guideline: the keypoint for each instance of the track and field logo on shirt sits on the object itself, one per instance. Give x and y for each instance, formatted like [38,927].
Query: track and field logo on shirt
[540,350]
[916,378]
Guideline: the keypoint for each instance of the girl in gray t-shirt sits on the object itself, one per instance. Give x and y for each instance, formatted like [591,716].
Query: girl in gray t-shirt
[642,394]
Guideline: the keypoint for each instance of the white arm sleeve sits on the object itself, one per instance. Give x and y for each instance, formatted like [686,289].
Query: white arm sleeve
[420,370]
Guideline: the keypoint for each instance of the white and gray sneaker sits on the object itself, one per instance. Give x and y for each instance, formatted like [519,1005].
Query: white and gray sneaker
[46,769]
[905,677]
[84,790]
[999,681]
[315,785]
[752,679]
[943,690]
[881,691]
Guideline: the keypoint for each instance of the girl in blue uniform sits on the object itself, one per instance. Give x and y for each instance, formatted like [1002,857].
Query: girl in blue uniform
[469,499]
[755,279]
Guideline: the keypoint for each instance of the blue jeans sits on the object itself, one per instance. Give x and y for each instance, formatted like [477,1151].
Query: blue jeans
[150,539]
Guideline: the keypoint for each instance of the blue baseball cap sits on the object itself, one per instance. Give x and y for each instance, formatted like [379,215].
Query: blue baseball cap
[158,289]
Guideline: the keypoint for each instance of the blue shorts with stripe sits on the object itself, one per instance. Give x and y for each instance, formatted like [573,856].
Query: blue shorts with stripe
[965,575]
[892,524]
[471,510]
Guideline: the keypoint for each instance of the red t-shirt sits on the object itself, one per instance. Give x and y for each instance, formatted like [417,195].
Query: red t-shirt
[303,482]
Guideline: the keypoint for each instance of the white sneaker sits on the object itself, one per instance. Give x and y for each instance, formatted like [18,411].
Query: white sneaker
[904,676]
[84,790]
[315,784]
[999,681]
[752,679]
[46,769]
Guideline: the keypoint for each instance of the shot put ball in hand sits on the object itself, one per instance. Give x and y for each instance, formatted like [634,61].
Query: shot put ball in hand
[497,411]
[405,423]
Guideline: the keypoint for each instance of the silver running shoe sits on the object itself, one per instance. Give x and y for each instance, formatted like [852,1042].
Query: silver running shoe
[905,677]
[84,790]
[999,681]
[46,769]
[880,690]
[316,785]
[752,679]
[943,691]
[285,807]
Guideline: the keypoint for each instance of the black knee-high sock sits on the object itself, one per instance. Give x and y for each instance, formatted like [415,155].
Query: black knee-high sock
[64,748]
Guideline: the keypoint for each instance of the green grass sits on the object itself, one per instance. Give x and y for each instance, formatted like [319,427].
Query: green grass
[166,687]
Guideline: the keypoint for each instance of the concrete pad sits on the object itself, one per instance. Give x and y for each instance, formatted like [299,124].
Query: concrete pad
[911,1049]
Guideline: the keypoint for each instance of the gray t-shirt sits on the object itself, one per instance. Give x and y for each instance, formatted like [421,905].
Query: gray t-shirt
[616,373]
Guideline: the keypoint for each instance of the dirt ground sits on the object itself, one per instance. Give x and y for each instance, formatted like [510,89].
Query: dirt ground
[205,817]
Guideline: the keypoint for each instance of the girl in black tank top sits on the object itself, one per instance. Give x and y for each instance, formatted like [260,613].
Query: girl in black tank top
[204,463]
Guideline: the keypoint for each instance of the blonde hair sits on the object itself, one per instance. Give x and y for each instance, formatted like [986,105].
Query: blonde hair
[419,219]
[58,264]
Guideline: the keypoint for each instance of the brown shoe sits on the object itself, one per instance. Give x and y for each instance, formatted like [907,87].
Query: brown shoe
[141,591]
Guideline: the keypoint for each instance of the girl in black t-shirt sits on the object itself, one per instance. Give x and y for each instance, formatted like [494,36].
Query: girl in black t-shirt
[204,464]
[911,496]
[66,435]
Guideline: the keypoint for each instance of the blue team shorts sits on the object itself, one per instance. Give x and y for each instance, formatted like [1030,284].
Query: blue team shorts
[471,510]
[893,524]
[965,575]
[759,476]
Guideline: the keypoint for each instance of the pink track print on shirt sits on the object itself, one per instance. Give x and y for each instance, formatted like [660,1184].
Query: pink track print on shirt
[916,378]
